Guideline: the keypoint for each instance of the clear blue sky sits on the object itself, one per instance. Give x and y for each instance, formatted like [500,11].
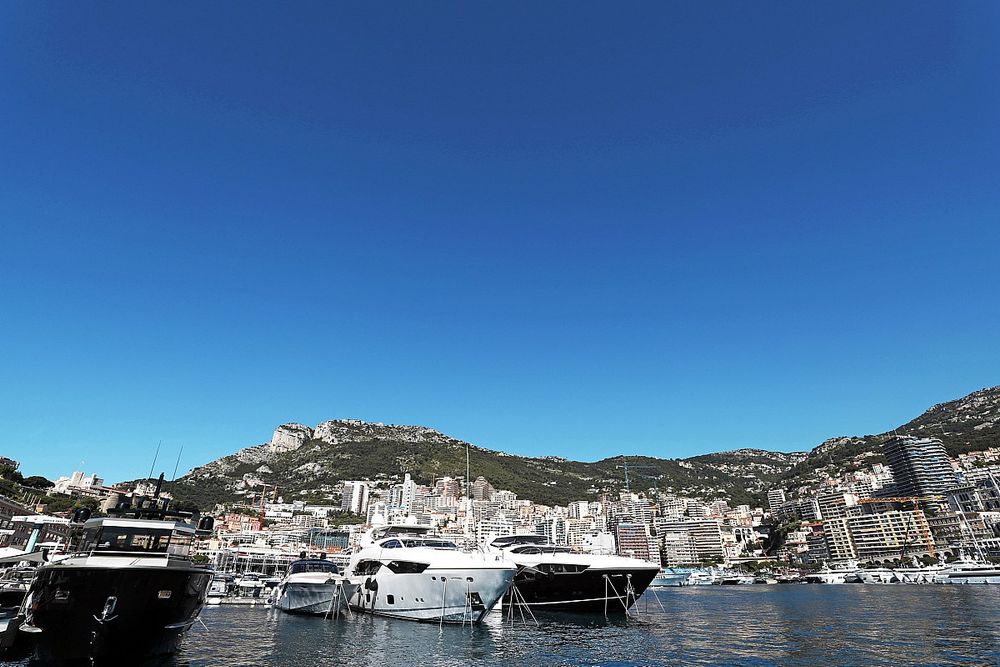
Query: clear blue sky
[573,229]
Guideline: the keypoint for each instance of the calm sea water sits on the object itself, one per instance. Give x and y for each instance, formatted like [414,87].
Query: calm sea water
[708,625]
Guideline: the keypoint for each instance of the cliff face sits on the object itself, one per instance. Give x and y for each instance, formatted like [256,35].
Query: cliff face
[289,437]
[309,462]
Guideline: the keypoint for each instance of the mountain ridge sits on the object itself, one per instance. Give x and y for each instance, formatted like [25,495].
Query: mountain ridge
[305,461]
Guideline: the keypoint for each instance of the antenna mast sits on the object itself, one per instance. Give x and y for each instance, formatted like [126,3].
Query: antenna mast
[157,454]
[174,476]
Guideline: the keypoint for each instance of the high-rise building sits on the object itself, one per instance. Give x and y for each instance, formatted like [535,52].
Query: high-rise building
[775,499]
[634,540]
[355,497]
[705,536]
[482,489]
[920,466]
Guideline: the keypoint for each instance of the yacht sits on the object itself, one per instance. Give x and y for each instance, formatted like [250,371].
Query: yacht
[128,592]
[670,576]
[558,578]
[878,575]
[406,572]
[313,586]
[705,577]
[218,590]
[845,574]
[966,571]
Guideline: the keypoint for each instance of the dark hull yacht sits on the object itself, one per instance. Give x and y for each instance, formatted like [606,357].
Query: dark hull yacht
[129,592]
[556,578]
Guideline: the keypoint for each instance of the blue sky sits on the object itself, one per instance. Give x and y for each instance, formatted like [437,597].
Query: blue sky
[574,229]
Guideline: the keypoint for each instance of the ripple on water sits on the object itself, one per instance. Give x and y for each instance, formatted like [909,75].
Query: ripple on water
[747,626]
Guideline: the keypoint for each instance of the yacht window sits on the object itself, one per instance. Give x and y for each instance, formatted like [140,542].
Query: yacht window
[390,599]
[367,567]
[544,549]
[313,566]
[180,544]
[392,544]
[114,538]
[406,567]
[89,539]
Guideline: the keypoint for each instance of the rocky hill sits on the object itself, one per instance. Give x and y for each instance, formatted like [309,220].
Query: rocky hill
[312,462]
[303,461]
[966,424]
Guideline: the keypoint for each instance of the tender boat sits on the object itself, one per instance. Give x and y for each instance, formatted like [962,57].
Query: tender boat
[129,591]
[313,586]
[558,578]
[406,572]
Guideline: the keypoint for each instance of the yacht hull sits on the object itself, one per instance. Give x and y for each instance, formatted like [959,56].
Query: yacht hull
[312,598]
[113,615]
[592,590]
[434,595]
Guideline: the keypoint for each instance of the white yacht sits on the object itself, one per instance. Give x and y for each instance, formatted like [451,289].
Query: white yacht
[313,586]
[841,574]
[558,578]
[671,576]
[968,572]
[878,575]
[405,572]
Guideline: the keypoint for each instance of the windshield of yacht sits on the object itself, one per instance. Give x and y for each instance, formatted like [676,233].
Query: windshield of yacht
[136,539]
[502,542]
[541,549]
[426,542]
[300,566]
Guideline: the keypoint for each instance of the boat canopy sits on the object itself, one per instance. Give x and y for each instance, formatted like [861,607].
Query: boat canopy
[399,529]
[511,540]
[133,536]
[313,565]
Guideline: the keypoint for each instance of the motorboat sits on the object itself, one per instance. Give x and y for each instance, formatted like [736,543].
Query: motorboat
[129,591]
[405,571]
[313,586]
[670,576]
[878,575]
[845,574]
[219,589]
[558,578]
[706,577]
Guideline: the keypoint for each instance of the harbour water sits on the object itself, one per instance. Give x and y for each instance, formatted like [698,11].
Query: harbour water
[712,625]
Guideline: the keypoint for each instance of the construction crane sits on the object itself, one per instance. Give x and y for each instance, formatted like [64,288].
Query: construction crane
[916,500]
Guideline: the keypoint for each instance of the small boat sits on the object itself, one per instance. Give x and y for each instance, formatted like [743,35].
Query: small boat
[219,589]
[313,586]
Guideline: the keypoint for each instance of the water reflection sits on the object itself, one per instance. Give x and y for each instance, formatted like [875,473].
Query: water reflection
[717,625]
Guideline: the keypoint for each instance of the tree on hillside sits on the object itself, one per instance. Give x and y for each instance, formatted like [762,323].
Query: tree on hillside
[36,482]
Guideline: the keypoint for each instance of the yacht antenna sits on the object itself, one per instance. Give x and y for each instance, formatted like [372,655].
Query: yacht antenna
[155,455]
[174,476]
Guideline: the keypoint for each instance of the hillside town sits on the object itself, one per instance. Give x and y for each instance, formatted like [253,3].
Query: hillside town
[920,505]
